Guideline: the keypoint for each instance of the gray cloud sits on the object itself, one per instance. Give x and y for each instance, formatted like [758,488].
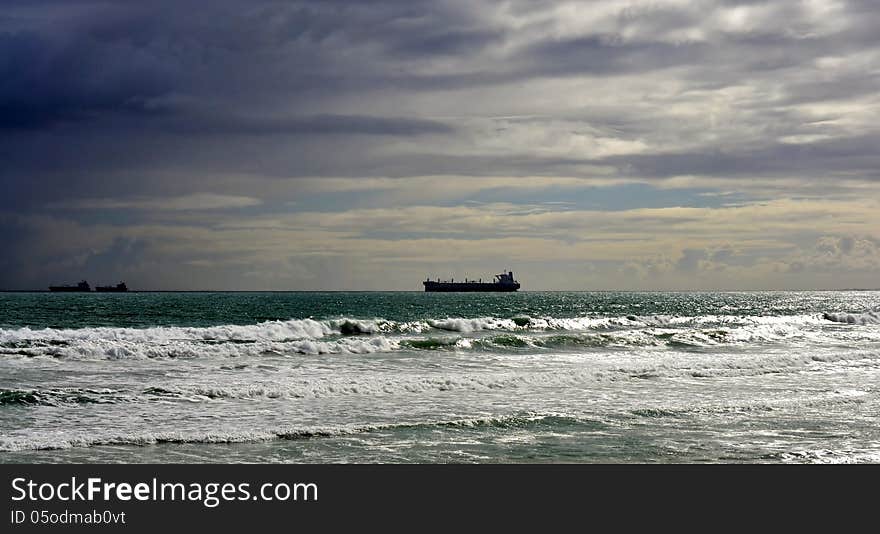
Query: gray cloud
[325,124]
[605,55]
[141,105]
[45,81]
[818,159]
[690,260]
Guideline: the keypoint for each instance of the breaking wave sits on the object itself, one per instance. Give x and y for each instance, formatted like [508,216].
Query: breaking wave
[823,400]
[524,421]
[294,329]
[367,336]
[58,397]
[112,349]
[853,318]
[290,387]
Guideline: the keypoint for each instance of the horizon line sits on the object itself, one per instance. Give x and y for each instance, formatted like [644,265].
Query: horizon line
[422,291]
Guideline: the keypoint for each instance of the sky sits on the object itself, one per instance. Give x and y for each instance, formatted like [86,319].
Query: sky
[367,145]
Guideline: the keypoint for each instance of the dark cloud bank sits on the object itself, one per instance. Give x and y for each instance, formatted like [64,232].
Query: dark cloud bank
[132,99]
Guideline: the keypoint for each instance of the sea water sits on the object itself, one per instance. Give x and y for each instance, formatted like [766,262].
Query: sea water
[609,377]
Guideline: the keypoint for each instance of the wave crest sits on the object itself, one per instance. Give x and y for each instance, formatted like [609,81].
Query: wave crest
[57,397]
[853,318]
[260,435]
[366,336]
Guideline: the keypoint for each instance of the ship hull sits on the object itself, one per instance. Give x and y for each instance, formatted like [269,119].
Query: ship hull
[469,287]
[63,289]
[109,290]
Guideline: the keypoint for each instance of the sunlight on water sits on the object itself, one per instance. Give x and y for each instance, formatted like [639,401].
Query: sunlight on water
[415,377]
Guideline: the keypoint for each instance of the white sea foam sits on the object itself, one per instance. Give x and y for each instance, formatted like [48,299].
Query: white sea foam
[621,367]
[69,440]
[866,318]
[472,325]
[294,329]
[364,336]
[113,349]
[270,330]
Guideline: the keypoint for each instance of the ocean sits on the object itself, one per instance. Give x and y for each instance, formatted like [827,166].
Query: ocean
[413,377]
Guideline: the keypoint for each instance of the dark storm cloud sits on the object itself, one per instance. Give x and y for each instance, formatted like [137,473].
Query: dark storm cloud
[43,81]
[128,58]
[444,42]
[125,102]
[95,98]
[311,125]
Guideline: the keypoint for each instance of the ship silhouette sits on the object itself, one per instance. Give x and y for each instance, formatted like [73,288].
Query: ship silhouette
[81,287]
[84,287]
[503,282]
[118,288]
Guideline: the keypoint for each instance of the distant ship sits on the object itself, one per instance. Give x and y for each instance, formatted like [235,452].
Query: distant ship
[503,282]
[118,288]
[79,288]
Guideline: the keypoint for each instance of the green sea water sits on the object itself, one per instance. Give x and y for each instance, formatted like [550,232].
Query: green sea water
[440,377]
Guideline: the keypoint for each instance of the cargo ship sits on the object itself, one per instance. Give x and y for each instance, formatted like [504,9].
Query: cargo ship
[81,287]
[118,288]
[502,282]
